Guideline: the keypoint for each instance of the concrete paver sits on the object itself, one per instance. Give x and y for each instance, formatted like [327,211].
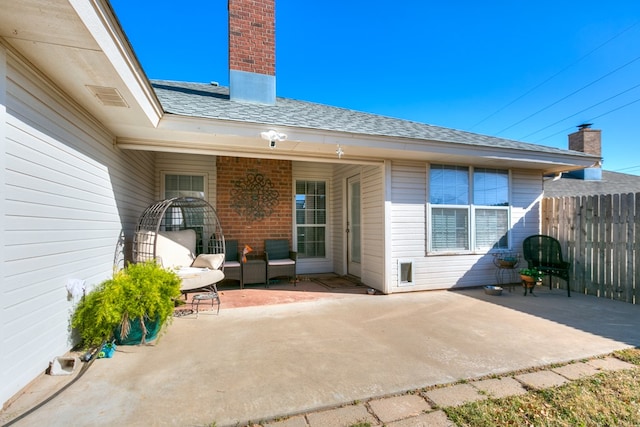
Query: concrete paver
[575,371]
[610,364]
[344,416]
[541,379]
[398,407]
[432,419]
[454,395]
[295,421]
[499,387]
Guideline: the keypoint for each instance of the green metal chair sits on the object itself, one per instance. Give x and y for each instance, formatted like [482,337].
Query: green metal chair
[545,254]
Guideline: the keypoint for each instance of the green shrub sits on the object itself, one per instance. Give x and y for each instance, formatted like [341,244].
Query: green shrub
[140,292]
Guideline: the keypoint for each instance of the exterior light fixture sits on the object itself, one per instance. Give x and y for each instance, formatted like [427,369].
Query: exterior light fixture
[340,152]
[273,136]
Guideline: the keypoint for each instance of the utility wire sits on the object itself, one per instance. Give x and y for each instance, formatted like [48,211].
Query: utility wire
[581,111]
[554,75]
[571,94]
[591,119]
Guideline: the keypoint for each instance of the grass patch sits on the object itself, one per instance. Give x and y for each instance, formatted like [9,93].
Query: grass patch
[606,399]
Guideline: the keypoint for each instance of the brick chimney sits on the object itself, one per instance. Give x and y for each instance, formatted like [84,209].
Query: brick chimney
[588,141]
[252,51]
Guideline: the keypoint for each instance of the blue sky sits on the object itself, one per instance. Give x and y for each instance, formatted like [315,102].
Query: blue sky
[530,71]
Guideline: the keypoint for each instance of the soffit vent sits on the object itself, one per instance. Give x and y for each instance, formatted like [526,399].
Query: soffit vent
[108,96]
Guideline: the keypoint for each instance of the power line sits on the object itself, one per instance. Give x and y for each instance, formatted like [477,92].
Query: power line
[570,95]
[591,119]
[554,76]
[581,111]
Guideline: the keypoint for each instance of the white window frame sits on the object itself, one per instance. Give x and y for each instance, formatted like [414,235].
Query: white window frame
[471,212]
[327,236]
[163,180]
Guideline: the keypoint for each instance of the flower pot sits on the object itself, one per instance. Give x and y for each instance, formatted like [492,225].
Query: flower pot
[135,332]
[506,263]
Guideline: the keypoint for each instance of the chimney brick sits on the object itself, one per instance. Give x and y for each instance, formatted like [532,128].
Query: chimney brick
[587,141]
[252,36]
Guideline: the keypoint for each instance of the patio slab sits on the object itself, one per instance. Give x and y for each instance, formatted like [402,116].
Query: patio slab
[267,362]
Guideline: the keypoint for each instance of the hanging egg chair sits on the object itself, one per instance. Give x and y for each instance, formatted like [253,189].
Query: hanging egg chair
[183,234]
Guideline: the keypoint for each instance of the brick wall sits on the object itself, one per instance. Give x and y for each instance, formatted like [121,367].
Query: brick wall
[252,36]
[233,175]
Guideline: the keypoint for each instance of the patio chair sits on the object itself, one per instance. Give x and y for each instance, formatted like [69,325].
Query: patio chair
[545,254]
[232,267]
[281,262]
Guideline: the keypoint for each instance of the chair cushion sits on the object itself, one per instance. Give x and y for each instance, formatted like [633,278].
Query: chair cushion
[286,261]
[196,278]
[212,261]
[176,248]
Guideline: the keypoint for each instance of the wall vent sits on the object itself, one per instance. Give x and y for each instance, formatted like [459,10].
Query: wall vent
[108,96]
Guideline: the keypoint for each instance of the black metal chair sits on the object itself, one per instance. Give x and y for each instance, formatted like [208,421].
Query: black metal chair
[281,262]
[545,254]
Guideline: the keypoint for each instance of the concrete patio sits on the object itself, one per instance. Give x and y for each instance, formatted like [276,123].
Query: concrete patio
[263,362]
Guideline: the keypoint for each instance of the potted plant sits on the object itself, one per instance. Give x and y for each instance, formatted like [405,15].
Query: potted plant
[531,276]
[130,308]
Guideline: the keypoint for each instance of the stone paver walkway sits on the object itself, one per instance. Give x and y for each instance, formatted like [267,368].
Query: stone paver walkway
[417,409]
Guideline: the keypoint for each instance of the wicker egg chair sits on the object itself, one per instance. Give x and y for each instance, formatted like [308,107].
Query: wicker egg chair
[184,234]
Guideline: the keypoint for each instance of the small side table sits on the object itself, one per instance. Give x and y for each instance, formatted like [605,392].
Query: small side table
[254,271]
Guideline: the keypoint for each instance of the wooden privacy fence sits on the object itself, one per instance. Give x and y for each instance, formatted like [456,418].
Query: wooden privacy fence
[599,235]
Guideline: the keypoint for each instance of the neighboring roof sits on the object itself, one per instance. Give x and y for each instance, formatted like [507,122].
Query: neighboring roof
[611,183]
[210,101]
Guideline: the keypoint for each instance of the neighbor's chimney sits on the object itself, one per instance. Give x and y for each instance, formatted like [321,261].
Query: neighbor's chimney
[588,141]
[252,51]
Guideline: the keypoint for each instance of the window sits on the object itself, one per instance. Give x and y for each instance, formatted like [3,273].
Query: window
[469,208]
[184,186]
[311,218]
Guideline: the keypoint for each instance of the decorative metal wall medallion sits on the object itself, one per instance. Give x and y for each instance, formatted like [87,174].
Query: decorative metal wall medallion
[254,197]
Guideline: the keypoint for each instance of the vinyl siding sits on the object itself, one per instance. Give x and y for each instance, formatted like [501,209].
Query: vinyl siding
[339,214]
[68,195]
[373,226]
[372,221]
[409,231]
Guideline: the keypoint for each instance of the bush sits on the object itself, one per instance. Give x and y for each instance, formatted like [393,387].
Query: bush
[139,293]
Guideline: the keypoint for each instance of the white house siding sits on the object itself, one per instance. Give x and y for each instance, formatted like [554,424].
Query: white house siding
[526,193]
[408,225]
[408,231]
[372,220]
[315,172]
[338,200]
[187,164]
[67,195]
[372,186]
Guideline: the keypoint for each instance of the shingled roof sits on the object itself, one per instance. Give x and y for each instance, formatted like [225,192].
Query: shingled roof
[611,183]
[213,102]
